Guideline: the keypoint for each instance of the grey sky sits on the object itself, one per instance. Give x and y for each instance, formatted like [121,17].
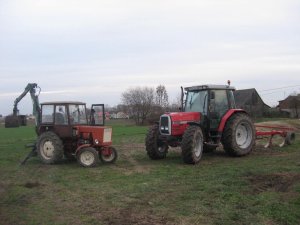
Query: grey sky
[93,50]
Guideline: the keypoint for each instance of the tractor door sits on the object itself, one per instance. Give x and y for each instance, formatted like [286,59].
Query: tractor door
[97,116]
[218,106]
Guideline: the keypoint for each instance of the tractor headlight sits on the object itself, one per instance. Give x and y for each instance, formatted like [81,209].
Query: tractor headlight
[96,141]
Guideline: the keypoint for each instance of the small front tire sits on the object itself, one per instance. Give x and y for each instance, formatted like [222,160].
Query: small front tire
[192,145]
[156,149]
[108,155]
[88,157]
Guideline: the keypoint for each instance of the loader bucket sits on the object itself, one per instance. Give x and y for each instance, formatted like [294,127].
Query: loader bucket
[11,121]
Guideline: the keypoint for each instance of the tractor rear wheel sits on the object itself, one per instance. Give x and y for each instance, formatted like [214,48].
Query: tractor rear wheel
[238,137]
[192,145]
[88,157]
[50,148]
[156,149]
[108,155]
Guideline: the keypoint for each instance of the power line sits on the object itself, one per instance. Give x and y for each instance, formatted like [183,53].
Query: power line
[280,88]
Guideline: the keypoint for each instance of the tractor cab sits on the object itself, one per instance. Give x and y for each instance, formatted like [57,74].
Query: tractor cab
[61,117]
[212,101]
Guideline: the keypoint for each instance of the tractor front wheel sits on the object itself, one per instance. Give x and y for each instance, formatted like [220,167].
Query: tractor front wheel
[192,145]
[238,137]
[50,148]
[88,157]
[108,155]
[156,149]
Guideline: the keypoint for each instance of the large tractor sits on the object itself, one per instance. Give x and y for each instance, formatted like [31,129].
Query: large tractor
[66,129]
[208,118]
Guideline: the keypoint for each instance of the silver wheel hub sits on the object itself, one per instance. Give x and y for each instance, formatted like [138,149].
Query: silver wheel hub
[198,147]
[108,158]
[243,135]
[87,158]
[47,150]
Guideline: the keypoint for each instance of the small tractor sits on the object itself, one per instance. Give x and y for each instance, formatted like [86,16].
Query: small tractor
[66,129]
[208,118]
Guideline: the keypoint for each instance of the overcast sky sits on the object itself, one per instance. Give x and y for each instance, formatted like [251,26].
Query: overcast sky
[93,50]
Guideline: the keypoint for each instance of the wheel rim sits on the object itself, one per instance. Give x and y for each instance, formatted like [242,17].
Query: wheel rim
[108,158]
[47,149]
[243,135]
[161,148]
[198,146]
[87,158]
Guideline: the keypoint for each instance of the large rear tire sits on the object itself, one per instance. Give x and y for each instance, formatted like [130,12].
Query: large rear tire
[192,145]
[50,148]
[156,149]
[238,137]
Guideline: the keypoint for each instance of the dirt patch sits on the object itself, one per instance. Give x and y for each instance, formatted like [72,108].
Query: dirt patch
[130,216]
[127,152]
[32,184]
[279,182]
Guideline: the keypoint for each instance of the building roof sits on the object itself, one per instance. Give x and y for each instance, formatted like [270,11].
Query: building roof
[245,96]
[289,102]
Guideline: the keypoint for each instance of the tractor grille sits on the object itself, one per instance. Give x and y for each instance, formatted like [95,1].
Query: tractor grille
[165,125]
[107,135]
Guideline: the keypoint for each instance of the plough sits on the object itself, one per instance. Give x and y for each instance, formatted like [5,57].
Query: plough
[287,133]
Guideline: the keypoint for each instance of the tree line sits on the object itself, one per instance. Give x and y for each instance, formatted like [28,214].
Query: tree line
[146,104]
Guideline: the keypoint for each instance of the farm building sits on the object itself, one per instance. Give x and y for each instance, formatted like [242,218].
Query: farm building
[291,105]
[249,100]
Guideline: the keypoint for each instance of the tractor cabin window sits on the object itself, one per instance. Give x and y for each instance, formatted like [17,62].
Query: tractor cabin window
[196,101]
[61,118]
[77,114]
[219,104]
[47,113]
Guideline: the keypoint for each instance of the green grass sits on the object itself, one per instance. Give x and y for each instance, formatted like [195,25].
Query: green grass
[261,188]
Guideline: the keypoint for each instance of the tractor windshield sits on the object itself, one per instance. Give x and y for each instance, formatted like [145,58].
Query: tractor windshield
[196,101]
[77,114]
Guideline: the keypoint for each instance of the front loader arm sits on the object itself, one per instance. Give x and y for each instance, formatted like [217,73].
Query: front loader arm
[31,88]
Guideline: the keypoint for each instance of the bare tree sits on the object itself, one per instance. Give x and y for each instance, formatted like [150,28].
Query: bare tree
[161,98]
[139,102]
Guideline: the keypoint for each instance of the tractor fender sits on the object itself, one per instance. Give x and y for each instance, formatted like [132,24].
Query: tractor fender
[227,116]
[81,147]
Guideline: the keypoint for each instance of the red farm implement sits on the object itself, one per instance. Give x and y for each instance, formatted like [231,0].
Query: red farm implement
[270,132]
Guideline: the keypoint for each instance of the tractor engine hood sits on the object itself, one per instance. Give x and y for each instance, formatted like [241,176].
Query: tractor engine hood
[175,123]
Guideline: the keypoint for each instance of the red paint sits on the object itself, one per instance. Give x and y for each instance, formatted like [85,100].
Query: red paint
[93,132]
[180,121]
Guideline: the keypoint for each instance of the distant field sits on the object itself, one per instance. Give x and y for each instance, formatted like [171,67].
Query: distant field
[261,188]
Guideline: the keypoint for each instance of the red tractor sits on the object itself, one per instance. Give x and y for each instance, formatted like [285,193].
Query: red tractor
[66,129]
[209,117]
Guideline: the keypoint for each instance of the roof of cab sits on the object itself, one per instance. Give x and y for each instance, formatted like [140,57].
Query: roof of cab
[210,86]
[63,103]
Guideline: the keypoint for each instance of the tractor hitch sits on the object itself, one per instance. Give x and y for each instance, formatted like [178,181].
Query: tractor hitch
[32,153]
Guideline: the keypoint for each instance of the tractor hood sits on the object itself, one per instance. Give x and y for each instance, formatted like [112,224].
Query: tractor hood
[175,123]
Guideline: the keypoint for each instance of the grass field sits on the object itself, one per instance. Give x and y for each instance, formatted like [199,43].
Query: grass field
[261,188]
